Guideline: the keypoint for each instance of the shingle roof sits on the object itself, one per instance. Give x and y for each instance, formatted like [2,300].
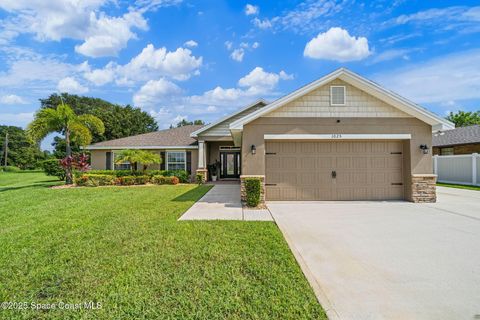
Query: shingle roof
[462,135]
[176,137]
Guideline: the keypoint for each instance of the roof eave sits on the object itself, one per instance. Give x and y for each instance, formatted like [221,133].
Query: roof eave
[211,125]
[92,147]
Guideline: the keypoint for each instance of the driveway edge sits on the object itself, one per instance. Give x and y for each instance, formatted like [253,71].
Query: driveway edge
[317,289]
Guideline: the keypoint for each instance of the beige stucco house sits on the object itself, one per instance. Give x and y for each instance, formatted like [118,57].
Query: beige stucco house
[341,137]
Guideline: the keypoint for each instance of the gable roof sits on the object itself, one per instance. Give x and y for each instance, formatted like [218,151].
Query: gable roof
[175,138]
[361,83]
[462,135]
[261,102]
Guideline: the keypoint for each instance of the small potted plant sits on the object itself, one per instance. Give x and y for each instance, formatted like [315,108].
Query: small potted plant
[212,169]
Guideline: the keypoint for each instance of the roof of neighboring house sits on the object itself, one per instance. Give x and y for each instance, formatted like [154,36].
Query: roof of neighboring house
[359,82]
[461,135]
[174,138]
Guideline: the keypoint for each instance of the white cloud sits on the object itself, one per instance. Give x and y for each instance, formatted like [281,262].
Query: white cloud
[337,44]
[12,99]
[191,44]
[155,92]
[179,65]
[453,77]
[250,9]
[392,54]
[54,20]
[454,13]
[306,17]
[262,81]
[255,84]
[107,35]
[255,45]
[70,85]
[237,54]
[262,24]
[17,119]
[229,45]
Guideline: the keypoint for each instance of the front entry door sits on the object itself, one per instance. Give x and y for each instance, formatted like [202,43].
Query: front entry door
[229,164]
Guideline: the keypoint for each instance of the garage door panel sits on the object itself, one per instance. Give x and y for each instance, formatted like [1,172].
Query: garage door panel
[365,170]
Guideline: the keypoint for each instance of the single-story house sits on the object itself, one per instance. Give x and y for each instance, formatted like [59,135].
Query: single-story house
[341,137]
[462,140]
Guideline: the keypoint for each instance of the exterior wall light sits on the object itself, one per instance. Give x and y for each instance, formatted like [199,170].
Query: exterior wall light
[253,149]
[424,148]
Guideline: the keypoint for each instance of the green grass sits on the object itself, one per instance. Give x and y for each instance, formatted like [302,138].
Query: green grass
[459,186]
[123,247]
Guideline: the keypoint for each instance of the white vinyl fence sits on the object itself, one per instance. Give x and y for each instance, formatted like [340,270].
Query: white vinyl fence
[458,169]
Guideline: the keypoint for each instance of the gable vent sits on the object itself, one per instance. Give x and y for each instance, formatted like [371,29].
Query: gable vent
[337,95]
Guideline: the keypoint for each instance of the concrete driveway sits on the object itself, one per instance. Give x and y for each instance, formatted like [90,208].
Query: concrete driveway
[389,260]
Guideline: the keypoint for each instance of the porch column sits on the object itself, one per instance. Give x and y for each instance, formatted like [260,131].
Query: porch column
[202,160]
[201,154]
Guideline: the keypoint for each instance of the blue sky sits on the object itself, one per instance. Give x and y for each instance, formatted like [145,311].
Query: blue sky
[203,59]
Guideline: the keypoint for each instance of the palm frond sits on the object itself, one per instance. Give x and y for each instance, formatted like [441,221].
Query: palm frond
[80,134]
[92,122]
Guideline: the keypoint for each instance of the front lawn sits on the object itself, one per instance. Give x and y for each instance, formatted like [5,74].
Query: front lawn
[458,186]
[124,248]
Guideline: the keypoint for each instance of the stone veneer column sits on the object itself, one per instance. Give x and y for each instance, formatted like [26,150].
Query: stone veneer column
[424,188]
[203,173]
[243,193]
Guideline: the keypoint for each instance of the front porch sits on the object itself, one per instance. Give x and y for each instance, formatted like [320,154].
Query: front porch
[219,161]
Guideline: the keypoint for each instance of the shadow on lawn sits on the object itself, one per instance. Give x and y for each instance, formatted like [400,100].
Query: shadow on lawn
[193,194]
[39,184]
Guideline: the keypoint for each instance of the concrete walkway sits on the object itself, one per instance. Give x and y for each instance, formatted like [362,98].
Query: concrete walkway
[222,202]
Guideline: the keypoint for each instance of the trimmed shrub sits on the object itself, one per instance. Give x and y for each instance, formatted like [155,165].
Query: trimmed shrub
[252,190]
[165,180]
[52,167]
[199,178]
[10,169]
[95,180]
[142,179]
[126,180]
[182,175]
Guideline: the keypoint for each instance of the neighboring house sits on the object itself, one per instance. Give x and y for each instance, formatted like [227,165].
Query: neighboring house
[463,140]
[341,137]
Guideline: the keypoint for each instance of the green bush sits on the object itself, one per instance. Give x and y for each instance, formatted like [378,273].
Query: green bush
[165,180]
[95,180]
[133,180]
[199,178]
[252,190]
[52,167]
[182,175]
[10,169]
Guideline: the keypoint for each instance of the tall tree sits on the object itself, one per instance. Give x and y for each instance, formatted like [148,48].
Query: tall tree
[75,128]
[22,152]
[463,119]
[119,121]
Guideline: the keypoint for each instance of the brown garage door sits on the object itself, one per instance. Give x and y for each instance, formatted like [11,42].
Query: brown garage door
[334,170]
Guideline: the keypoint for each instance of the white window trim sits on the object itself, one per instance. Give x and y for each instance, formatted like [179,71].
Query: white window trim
[176,151]
[344,96]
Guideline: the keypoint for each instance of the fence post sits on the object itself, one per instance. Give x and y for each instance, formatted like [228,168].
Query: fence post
[435,164]
[474,168]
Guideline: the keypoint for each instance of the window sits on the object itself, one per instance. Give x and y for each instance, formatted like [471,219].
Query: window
[120,166]
[337,95]
[446,151]
[176,160]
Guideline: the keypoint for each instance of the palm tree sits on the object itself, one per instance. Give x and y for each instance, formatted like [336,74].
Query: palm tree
[75,128]
[138,156]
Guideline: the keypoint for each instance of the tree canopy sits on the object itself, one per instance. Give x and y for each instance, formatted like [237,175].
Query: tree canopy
[22,152]
[188,123]
[464,119]
[62,119]
[119,121]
